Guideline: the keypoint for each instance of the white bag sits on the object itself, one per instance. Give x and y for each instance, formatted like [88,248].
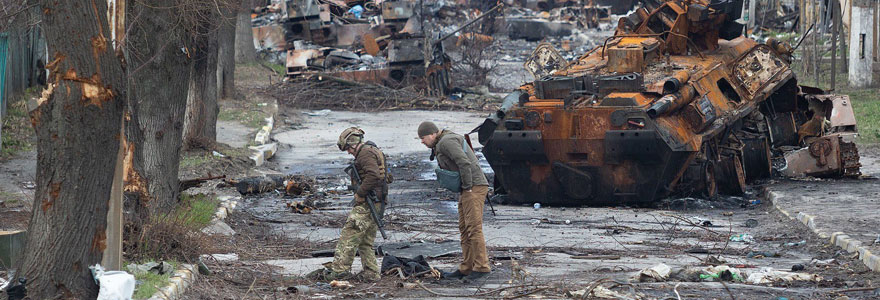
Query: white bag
[114,285]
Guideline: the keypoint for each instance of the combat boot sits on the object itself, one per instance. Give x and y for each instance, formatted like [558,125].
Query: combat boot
[368,276]
[328,275]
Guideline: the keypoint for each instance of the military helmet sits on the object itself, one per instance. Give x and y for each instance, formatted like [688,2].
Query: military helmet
[350,137]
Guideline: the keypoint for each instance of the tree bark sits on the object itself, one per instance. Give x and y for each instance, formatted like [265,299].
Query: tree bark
[226,50]
[245,52]
[157,94]
[77,121]
[200,123]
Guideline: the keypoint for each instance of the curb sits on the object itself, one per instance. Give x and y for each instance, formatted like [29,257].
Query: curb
[263,149]
[839,239]
[186,274]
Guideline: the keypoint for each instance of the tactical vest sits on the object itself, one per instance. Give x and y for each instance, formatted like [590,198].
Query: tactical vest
[384,169]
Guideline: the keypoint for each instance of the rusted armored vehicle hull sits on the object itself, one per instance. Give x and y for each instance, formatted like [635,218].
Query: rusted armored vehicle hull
[676,103]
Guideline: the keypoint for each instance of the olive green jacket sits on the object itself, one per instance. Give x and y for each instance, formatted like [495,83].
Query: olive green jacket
[369,162]
[451,156]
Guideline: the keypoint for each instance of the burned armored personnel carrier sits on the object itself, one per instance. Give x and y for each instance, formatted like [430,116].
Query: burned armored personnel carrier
[677,102]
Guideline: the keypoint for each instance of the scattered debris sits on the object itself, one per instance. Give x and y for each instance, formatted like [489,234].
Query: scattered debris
[341,284]
[406,267]
[318,113]
[217,227]
[762,254]
[300,207]
[150,267]
[721,273]
[113,285]
[769,275]
[656,273]
[228,257]
[191,183]
[751,223]
[745,238]
[795,244]
[290,185]
[597,292]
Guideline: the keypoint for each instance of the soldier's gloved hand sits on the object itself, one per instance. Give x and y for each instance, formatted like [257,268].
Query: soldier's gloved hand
[358,199]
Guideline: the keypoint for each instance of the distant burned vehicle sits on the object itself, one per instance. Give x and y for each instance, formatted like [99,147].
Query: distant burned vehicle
[675,103]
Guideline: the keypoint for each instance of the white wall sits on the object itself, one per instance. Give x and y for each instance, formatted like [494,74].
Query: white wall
[861,53]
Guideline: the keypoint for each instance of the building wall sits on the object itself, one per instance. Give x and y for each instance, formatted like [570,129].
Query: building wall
[861,46]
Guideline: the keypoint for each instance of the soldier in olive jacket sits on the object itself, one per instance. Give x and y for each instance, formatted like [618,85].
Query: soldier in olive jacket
[454,154]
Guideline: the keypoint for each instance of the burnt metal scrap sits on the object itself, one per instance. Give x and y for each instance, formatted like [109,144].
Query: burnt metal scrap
[677,102]
[376,42]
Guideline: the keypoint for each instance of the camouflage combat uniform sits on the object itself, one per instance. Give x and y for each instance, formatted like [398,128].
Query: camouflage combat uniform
[359,232]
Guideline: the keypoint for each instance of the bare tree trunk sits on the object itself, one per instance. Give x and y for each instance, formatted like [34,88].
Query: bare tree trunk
[77,122]
[244,35]
[226,50]
[200,123]
[157,83]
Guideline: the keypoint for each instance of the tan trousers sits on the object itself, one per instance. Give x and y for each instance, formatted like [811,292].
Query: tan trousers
[470,224]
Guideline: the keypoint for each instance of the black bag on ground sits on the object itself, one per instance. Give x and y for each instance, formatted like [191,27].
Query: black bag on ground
[409,266]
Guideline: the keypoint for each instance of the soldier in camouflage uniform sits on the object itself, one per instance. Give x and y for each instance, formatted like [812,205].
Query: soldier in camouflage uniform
[359,230]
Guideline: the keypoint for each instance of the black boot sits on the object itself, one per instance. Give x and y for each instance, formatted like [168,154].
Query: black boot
[452,275]
[475,276]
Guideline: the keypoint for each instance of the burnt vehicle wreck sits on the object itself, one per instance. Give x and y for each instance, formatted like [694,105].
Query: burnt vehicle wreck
[677,102]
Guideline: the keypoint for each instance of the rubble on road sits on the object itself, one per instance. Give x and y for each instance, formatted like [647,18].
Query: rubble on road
[771,276]
[399,43]
[159,268]
[657,273]
[290,185]
[300,207]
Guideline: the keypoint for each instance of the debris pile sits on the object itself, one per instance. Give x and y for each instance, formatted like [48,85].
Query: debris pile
[290,185]
[398,43]
[379,42]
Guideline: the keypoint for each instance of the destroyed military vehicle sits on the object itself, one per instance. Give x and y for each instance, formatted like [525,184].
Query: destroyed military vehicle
[676,103]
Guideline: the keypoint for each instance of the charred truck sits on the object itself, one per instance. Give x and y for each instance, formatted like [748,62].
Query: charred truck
[676,103]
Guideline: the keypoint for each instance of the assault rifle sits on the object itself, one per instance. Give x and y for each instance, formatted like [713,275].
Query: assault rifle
[371,199]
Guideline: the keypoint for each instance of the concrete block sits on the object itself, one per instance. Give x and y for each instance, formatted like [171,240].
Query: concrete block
[259,154]
[218,227]
[177,284]
[220,213]
[262,136]
[258,158]
[11,247]
[872,261]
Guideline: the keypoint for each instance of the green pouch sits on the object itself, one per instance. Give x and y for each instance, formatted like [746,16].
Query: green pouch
[450,180]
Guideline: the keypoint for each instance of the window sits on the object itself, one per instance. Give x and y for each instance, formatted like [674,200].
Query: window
[862,46]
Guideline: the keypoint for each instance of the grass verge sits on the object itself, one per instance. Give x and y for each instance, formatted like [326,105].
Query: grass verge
[250,114]
[176,235]
[866,104]
[149,283]
[17,136]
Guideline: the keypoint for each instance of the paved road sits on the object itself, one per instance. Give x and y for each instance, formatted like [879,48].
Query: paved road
[544,242]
